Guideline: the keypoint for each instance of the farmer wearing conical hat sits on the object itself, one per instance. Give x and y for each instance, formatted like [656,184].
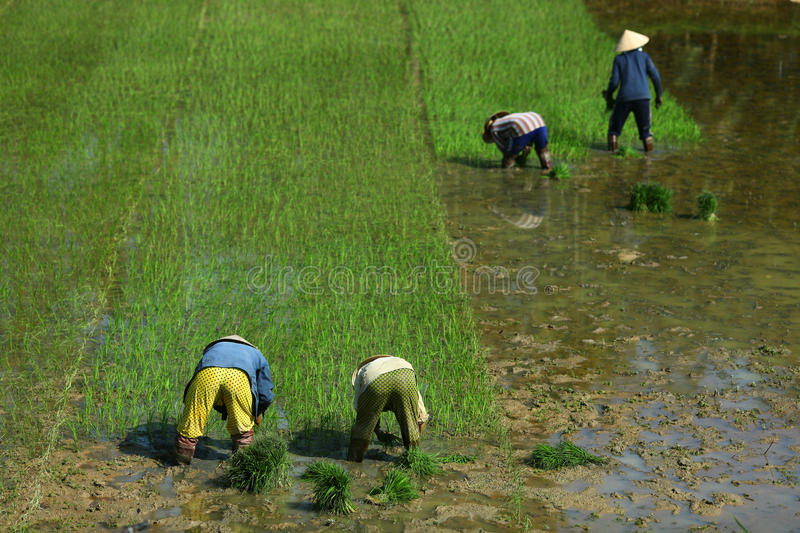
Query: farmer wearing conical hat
[514,134]
[630,72]
[232,377]
[385,383]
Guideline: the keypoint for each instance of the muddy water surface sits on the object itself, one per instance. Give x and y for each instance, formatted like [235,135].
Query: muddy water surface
[664,342]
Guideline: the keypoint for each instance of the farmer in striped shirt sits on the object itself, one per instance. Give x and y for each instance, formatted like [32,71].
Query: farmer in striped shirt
[514,133]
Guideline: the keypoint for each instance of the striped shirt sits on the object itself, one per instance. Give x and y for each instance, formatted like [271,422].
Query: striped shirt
[514,125]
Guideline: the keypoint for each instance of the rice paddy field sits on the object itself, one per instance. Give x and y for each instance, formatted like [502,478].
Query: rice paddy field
[173,172]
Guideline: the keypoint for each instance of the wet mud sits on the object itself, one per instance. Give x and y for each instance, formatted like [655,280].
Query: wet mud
[664,343]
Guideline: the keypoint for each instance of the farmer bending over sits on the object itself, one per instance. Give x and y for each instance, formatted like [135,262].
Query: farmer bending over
[630,71]
[514,133]
[232,377]
[385,383]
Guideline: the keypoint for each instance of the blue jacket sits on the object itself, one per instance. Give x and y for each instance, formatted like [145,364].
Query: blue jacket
[630,71]
[247,358]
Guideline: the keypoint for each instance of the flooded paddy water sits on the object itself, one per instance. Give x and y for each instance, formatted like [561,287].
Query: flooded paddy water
[662,342]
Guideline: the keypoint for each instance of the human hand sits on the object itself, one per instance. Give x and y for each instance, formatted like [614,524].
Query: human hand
[658,102]
[609,99]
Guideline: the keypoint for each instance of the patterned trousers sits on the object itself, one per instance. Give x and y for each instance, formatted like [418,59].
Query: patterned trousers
[394,391]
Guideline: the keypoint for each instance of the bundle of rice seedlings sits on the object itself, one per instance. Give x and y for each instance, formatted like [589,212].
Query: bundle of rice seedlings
[457,458]
[397,487]
[627,151]
[707,206]
[331,487]
[419,463]
[652,197]
[547,457]
[560,172]
[261,466]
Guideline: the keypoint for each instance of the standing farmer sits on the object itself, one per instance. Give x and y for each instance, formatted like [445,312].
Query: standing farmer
[514,133]
[630,71]
[233,378]
[385,383]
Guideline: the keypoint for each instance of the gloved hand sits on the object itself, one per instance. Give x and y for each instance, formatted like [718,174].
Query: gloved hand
[609,99]
[658,102]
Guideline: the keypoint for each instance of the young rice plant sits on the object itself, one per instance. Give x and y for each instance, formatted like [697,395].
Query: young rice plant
[419,463]
[261,466]
[707,206]
[650,197]
[331,487]
[397,487]
[546,457]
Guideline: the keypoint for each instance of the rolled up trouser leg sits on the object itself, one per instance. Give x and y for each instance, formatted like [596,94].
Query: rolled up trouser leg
[357,449]
[242,440]
[612,143]
[544,158]
[184,448]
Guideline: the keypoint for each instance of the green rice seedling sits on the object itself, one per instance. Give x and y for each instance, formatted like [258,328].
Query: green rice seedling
[627,152]
[738,523]
[397,487]
[707,206]
[560,171]
[457,458]
[650,196]
[419,463]
[546,457]
[261,466]
[331,487]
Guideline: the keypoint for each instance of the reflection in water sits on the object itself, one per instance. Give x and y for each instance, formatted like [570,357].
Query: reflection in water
[520,211]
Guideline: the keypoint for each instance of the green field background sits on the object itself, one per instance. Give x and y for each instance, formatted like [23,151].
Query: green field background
[173,172]
[479,57]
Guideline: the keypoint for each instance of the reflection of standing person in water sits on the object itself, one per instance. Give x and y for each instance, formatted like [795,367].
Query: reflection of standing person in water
[630,72]
[523,213]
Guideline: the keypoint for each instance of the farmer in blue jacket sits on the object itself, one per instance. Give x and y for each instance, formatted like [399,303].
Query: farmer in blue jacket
[233,378]
[630,72]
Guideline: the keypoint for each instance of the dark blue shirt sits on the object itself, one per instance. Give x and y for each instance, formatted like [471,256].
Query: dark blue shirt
[232,354]
[630,72]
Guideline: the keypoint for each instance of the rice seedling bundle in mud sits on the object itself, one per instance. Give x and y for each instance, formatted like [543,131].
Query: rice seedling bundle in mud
[331,487]
[546,457]
[707,206]
[420,463]
[397,487]
[651,197]
[261,466]
[458,458]
[628,152]
[560,171]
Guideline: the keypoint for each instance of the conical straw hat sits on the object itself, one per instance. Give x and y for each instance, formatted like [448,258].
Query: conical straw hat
[231,338]
[631,40]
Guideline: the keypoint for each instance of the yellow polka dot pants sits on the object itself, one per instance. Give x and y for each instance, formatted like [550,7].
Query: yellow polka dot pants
[229,387]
